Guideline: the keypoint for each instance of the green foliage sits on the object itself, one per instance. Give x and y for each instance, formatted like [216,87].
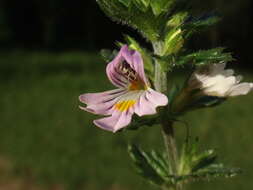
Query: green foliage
[195,165]
[167,27]
[161,6]
[150,165]
[62,146]
[135,13]
[173,38]
[173,41]
[193,25]
[205,57]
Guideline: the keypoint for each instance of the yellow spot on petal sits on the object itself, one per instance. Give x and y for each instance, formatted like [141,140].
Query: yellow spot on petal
[125,105]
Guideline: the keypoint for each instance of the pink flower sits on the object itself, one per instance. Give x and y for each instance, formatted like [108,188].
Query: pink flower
[133,93]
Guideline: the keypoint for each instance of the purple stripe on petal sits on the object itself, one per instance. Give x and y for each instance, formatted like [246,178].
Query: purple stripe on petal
[133,59]
[114,77]
[95,98]
[101,103]
[102,108]
[112,67]
[138,66]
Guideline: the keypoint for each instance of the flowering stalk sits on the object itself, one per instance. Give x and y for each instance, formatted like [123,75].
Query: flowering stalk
[134,71]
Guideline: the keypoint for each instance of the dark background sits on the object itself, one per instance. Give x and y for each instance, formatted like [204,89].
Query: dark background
[58,25]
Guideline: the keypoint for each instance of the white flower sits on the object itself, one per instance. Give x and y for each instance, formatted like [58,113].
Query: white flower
[215,80]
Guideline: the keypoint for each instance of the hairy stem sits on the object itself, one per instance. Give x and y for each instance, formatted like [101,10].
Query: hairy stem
[170,145]
[167,125]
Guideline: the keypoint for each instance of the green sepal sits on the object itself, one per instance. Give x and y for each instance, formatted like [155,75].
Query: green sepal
[186,101]
[150,165]
[146,56]
[207,101]
[205,57]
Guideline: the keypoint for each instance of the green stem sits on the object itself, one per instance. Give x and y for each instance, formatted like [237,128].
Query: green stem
[167,125]
[170,145]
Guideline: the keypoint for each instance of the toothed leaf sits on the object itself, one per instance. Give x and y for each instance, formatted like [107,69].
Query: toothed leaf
[135,15]
[143,166]
[161,6]
[205,57]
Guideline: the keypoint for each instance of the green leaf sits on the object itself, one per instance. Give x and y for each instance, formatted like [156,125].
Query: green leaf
[214,171]
[203,160]
[200,23]
[205,57]
[126,2]
[135,15]
[142,4]
[146,55]
[173,41]
[161,6]
[177,19]
[151,166]
[195,165]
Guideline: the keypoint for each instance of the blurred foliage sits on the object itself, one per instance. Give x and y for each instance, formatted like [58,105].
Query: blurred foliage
[44,132]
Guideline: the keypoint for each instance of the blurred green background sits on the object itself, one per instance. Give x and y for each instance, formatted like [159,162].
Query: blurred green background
[49,56]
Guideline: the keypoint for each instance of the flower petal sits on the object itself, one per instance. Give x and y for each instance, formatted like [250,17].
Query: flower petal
[95,98]
[144,106]
[101,109]
[221,86]
[133,59]
[101,103]
[157,98]
[137,65]
[240,89]
[127,54]
[117,121]
[116,78]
